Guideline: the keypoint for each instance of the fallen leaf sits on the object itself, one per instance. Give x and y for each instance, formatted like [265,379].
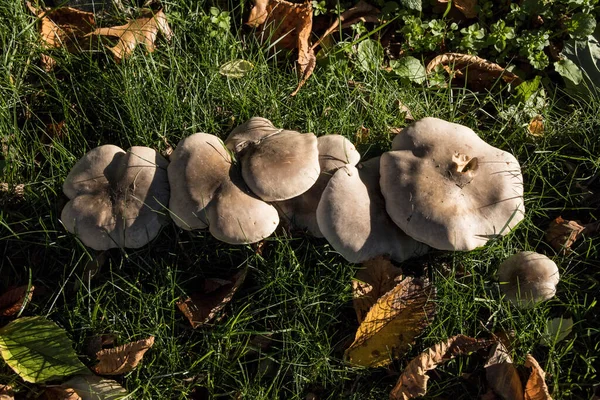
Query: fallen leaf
[391,325]
[556,330]
[561,234]
[501,373]
[13,300]
[143,30]
[201,308]
[287,25]
[60,393]
[54,131]
[93,387]
[236,68]
[405,110]
[362,135]
[467,7]
[6,392]
[15,192]
[99,342]
[536,388]
[122,359]
[377,277]
[536,126]
[478,73]
[413,381]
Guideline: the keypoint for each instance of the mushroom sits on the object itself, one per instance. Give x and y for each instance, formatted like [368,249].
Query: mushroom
[527,278]
[335,151]
[277,164]
[351,215]
[207,190]
[446,187]
[117,197]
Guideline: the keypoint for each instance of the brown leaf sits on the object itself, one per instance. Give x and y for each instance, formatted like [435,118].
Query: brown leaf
[467,7]
[413,381]
[15,192]
[143,30]
[12,300]
[536,126]
[502,375]
[377,277]
[54,131]
[201,308]
[478,73]
[404,110]
[536,388]
[6,392]
[288,25]
[60,393]
[99,342]
[561,234]
[362,135]
[391,325]
[122,359]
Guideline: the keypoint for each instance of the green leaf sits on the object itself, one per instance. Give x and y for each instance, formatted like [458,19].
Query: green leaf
[586,55]
[370,55]
[581,25]
[409,68]
[412,4]
[236,68]
[527,89]
[38,350]
[569,70]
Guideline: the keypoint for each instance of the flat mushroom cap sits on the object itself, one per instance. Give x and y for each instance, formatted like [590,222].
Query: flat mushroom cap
[527,278]
[252,130]
[351,215]
[198,167]
[117,197]
[446,187]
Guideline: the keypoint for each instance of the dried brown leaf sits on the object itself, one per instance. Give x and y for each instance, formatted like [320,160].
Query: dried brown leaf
[502,375]
[467,7]
[362,135]
[6,392]
[15,192]
[99,342]
[200,308]
[54,131]
[478,72]
[536,126]
[12,300]
[377,277]
[561,234]
[122,359]
[536,388]
[143,30]
[391,325]
[60,393]
[413,381]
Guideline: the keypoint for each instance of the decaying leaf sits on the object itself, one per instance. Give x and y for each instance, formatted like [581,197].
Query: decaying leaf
[60,393]
[143,30]
[236,68]
[502,375]
[92,387]
[413,381]
[536,388]
[468,8]
[392,324]
[536,126]
[403,109]
[362,135]
[561,234]
[287,25]
[122,359]
[377,277]
[14,192]
[12,300]
[201,308]
[475,71]
[54,131]
[99,342]
[6,392]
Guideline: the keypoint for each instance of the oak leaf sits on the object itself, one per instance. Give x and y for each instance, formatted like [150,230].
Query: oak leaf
[391,325]
[536,388]
[12,300]
[122,359]
[502,375]
[143,30]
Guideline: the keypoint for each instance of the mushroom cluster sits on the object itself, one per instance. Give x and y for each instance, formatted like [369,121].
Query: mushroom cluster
[440,186]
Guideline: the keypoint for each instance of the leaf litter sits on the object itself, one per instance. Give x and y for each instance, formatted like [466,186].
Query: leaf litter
[122,359]
[502,375]
[13,300]
[89,387]
[536,388]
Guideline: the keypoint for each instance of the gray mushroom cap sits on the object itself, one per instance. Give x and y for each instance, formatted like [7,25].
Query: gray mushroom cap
[446,187]
[351,215]
[335,151]
[527,278]
[118,198]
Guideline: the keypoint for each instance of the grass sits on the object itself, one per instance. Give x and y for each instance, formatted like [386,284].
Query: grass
[298,292]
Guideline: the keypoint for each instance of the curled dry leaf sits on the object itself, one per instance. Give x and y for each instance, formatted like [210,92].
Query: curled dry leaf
[392,324]
[536,126]
[6,392]
[477,72]
[468,8]
[201,308]
[502,375]
[13,300]
[143,30]
[536,388]
[377,277]
[561,234]
[287,25]
[413,381]
[122,359]
[15,192]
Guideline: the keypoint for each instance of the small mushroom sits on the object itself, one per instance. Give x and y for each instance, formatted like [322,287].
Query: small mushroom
[527,278]
[446,187]
[277,164]
[335,151]
[117,197]
[351,215]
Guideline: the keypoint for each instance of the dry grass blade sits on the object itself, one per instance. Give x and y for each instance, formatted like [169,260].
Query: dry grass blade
[392,324]
[536,388]
[378,277]
[201,308]
[561,234]
[413,381]
[13,300]
[502,375]
[122,359]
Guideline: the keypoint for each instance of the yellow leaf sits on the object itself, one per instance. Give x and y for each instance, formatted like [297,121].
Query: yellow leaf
[536,388]
[122,359]
[392,324]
